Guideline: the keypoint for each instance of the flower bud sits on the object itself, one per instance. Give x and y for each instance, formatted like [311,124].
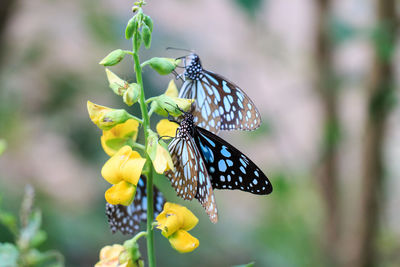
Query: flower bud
[167,105]
[115,82]
[146,33]
[106,118]
[131,27]
[113,58]
[162,65]
[131,95]
[149,22]
[137,40]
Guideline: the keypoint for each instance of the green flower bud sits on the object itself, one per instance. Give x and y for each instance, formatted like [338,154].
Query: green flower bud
[162,65]
[133,249]
[164,105]
[116,83]
[137,40]
[131,27]
[131,95]
[114,117]
[149,22]
[113,58]
[146,33]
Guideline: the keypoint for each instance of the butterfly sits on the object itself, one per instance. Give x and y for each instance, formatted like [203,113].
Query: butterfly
[126,219]
[219,104]
[205,162]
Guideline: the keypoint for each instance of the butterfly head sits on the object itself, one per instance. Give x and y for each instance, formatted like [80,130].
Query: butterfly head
[193,69]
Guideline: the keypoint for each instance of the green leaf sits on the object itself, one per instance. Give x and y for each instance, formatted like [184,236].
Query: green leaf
[31,229]
[9,220]
[8,255]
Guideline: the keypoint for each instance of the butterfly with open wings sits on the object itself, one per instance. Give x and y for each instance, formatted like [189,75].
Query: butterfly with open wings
[205,162]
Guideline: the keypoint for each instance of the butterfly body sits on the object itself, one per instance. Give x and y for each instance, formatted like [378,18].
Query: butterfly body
[205,162]
[219,103]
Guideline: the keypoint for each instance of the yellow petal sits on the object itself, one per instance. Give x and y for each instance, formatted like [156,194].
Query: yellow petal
[109,252]
[166,128]
[125,165]
[183,103]
[172,90]
[168,223]
[183,242]
[97,112]
[186,219]
[131,170]
[163,161]
[109,256]
[121,193]
[119,135]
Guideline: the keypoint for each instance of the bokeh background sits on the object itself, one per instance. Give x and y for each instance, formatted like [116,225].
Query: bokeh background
[323,73]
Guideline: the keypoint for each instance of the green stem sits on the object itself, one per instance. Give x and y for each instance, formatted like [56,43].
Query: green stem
[138,235]
[146,127]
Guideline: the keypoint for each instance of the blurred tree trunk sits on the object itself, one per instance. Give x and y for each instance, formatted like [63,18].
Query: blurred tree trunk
[6,10]
[328,176]
[380,101]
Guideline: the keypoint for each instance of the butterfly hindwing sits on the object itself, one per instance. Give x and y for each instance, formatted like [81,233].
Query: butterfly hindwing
[228,167]
[126,219]
[184,154]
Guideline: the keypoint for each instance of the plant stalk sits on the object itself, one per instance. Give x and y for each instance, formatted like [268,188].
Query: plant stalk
[146,127]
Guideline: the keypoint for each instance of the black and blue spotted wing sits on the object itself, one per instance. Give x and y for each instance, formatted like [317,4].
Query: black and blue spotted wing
[190,178]
[126,219]
[228,167]
[219,104]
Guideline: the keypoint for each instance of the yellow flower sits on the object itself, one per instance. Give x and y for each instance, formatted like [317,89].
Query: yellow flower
[174,222]
[158,153]
[105,118]
[118,136]
[116,256]
[162,161]
[123,171]
[166,128]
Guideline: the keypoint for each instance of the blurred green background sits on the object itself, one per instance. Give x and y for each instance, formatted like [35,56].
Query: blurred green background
[322,73]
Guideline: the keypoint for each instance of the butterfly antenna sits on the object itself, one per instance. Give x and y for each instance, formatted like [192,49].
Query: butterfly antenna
[179,49]
[178,76]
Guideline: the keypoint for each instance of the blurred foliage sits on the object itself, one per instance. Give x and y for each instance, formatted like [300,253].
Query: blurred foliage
[250,7]
[27,236]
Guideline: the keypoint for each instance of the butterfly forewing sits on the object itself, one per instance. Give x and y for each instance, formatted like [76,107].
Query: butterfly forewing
[126,219]
[228,167]
[219,103]
[190,178]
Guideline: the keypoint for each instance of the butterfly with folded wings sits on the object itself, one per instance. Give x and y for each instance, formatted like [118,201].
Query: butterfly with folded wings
[204,162]
[219,103]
